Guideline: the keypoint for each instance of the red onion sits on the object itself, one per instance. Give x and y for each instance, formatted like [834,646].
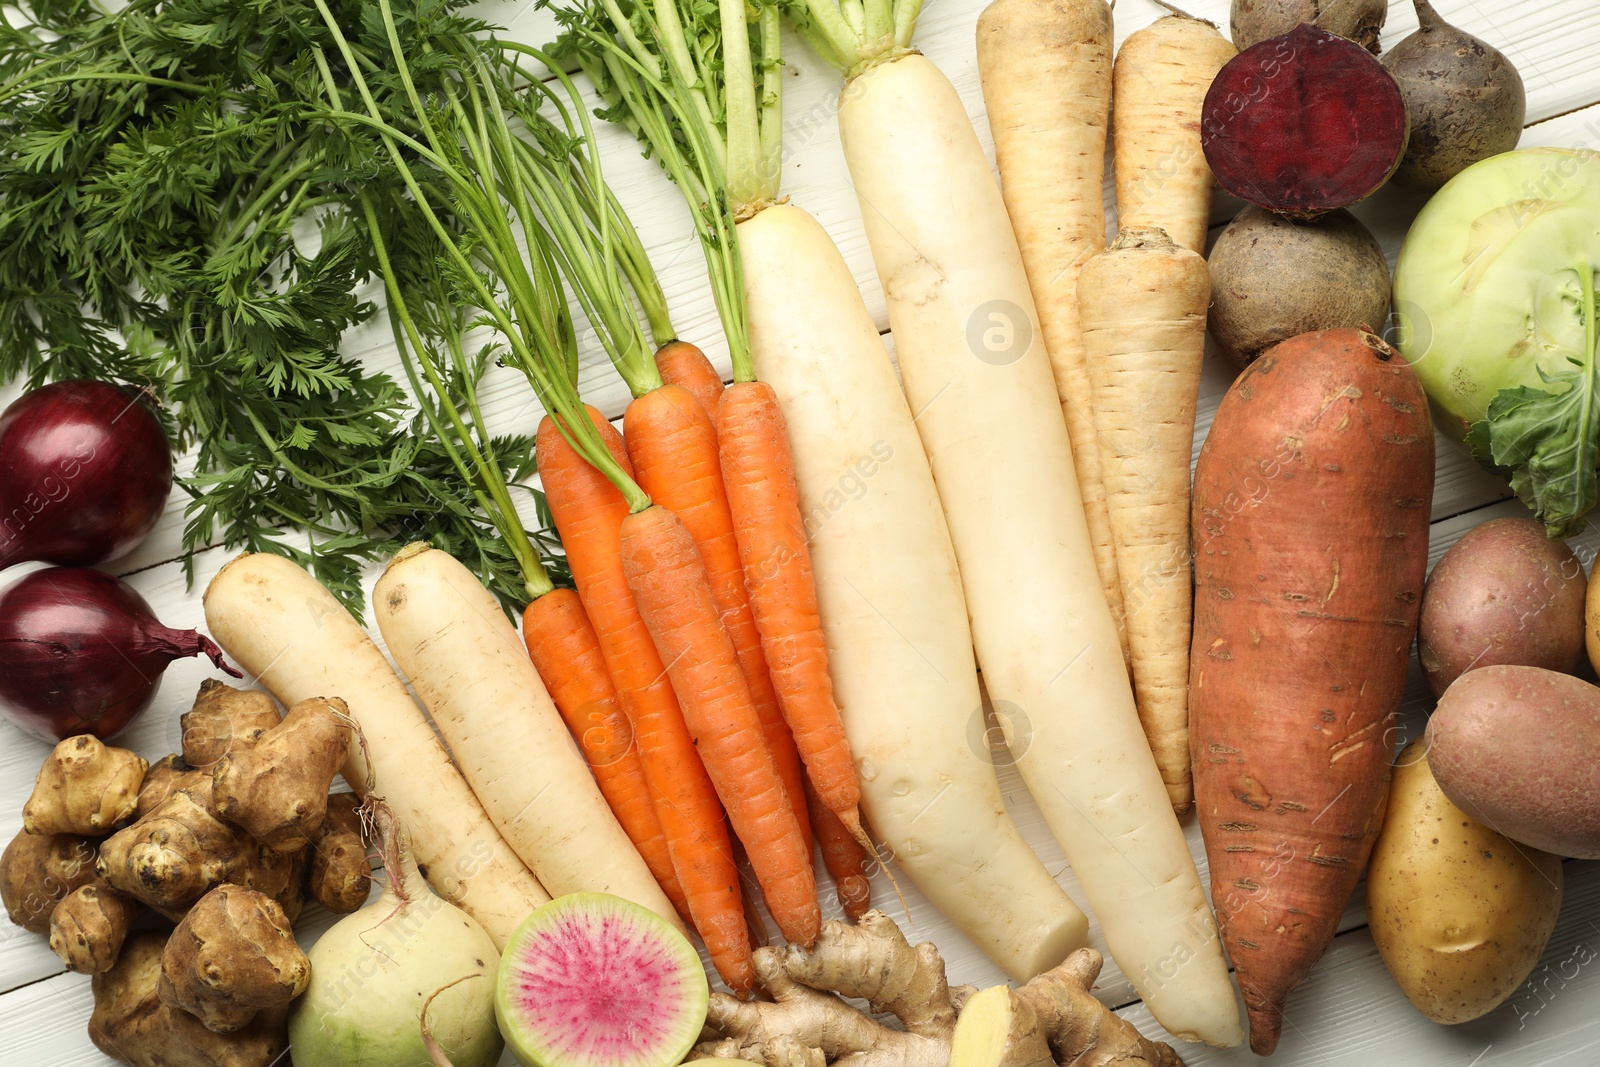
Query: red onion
[82,653]
[84,473]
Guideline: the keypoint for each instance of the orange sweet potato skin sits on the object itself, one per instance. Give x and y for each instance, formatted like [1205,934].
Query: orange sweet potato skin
[1311,508]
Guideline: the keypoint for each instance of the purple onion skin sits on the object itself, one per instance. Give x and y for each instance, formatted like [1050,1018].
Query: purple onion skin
[82,653]
[85,470]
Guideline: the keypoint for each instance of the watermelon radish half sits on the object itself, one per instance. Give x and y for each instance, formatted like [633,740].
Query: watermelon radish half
[592,980]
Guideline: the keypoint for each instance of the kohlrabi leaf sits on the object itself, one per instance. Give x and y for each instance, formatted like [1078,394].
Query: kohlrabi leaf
[1546,441]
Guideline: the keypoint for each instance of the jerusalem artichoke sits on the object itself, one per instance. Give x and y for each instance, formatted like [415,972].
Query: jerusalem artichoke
[88,927]
[36,872]
[224,720]
[84,788]
[277,790]
[340,876]
[233,955]
[166,776]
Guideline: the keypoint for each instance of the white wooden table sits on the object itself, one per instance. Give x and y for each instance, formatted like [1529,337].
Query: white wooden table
[1350,1011]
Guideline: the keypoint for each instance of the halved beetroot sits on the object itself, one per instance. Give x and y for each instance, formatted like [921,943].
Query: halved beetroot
[1303,123]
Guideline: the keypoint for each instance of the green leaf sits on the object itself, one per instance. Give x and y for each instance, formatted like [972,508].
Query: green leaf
[1546,441]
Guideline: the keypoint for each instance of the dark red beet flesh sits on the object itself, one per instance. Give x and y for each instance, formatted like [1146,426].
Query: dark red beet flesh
[1303,123]
[82,653]
[84,473]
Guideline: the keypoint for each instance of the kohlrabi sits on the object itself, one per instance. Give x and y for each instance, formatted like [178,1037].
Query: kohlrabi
[1496,297]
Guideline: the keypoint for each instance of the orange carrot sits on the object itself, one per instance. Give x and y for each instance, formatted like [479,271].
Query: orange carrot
[682,363]
[669,584]
[844,857]
[758,474]
[589,513]
[673,446]
[566,653]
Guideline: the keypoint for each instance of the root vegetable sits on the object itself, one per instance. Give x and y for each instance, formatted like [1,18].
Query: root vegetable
[593,980]
[165,777]
[1464,98]
[277,789]
[1514,748]
[84,788]
[1311,543]
[374,973]
[1503,594]
[293,635]
[1143,306]
[37,871]
[88,927]
[233,955]
[1460,914]
[1163,181]
[892,605]
[338,875]
[1273,278]
[1047,76]
[224,720]
[472,672]
[873,961]
[1045,642]
[997,1029]
[1303,123]
[132,1025]
[1253,21]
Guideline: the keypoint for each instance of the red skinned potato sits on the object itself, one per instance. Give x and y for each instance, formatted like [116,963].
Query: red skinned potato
[1514,747]
[1311,506]
[1503,594]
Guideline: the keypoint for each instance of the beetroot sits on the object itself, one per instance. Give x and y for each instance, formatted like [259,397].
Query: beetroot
[1303,123]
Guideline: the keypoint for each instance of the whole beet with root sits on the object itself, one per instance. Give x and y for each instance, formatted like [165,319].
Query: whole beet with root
[1311,508]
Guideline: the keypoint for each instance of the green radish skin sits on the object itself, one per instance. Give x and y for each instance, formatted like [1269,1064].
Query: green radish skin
[892,607]
[1045,639]
[593,980]
[473,674]
[374,970]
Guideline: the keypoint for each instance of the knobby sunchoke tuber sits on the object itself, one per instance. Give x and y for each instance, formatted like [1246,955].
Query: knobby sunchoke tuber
[165,777]
[37,871]
[84,788]
[340,875]
[224,720]
[233,955]
[277,790]
[132,1025]
[88,927]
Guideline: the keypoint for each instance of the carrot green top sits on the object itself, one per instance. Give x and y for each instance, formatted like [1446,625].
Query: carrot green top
[667,74]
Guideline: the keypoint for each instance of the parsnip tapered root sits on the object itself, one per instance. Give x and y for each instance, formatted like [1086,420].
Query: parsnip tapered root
[1162,74]
[84,787]
[277,789]
[1046,69]
[1144,327]
[1053,1014]
[88,927]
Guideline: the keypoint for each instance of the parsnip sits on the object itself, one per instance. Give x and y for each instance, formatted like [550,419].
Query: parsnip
[1162,74]
[472,673]
[891,599]
[1144,328]
[1046,69]
[1045,639]
[279,623]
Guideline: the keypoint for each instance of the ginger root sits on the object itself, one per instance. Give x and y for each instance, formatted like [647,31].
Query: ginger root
[224,720]
[88,927]
[165,777]
[277,790]
[232,956]
[131,1024]
[340,876]
[84,788]
[807,1025]
[36,872]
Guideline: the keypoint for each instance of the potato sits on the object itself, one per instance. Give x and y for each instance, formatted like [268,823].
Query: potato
[1515,747]
[1504,593]
[1459,913]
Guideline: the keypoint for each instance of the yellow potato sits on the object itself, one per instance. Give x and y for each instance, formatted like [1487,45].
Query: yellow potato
[1460,913]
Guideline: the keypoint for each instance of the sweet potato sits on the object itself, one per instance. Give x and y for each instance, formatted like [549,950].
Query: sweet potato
[1311,504]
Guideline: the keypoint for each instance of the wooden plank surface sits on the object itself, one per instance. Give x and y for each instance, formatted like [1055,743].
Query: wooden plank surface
[1350,1011]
